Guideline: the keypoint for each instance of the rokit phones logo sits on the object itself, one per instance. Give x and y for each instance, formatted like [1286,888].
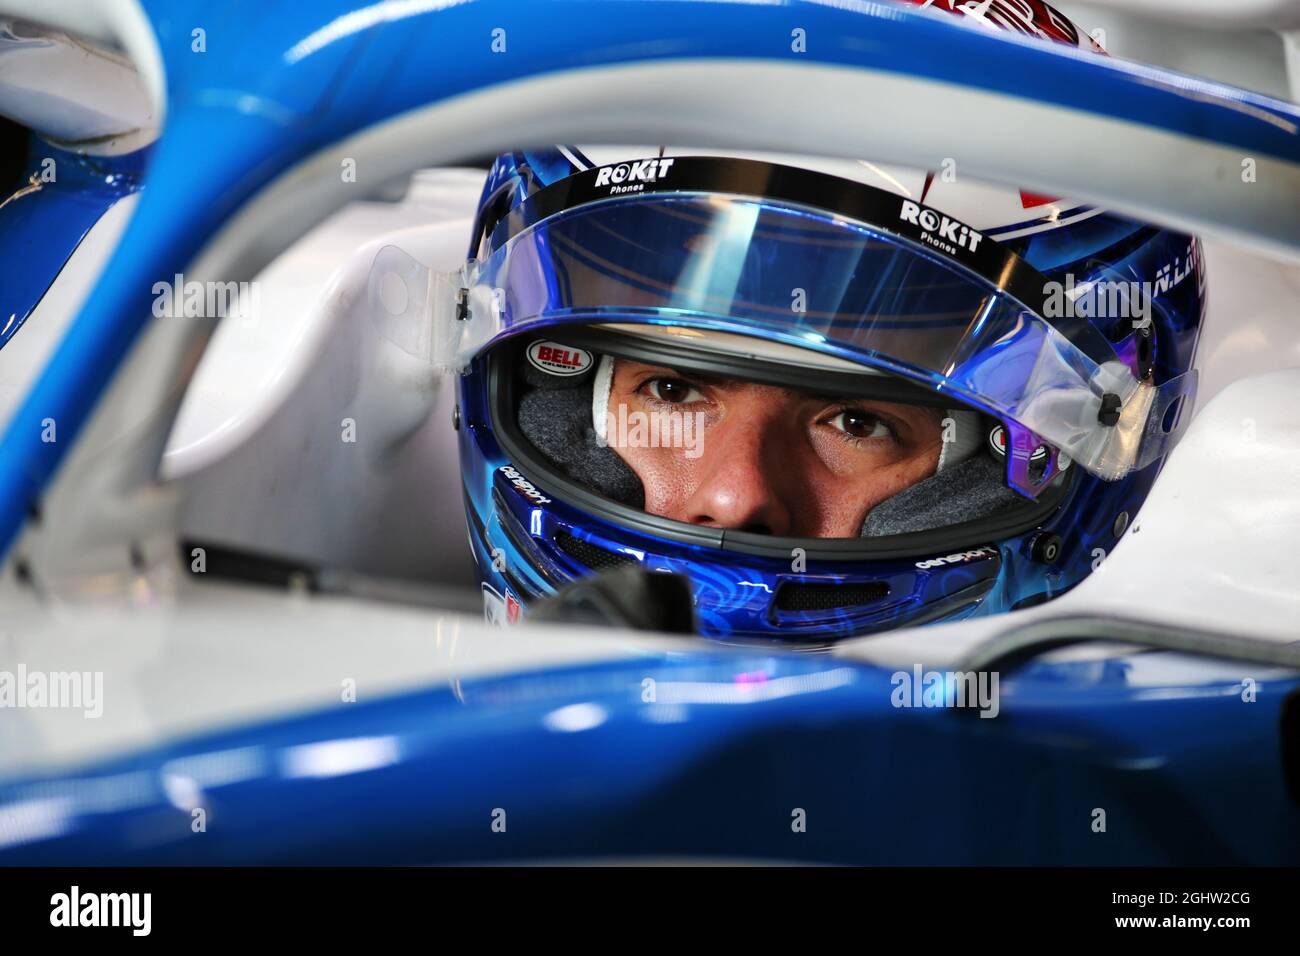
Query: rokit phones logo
[939,230]
[632,177]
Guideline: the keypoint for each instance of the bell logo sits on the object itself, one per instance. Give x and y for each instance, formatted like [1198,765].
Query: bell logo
[940,230]
[632,177]
[556,359]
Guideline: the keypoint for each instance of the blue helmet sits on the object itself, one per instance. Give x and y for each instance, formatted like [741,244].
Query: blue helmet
[1050,343]
[661,349]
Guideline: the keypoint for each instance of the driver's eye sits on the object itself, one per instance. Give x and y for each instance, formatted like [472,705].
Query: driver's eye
[860,424]
[675,391]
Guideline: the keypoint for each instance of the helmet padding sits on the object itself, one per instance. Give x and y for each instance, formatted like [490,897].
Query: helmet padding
[557,420]
[967,491]
[964,439]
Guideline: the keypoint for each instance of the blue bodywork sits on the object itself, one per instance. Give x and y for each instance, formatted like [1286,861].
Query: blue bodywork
[578,762]
[63,194]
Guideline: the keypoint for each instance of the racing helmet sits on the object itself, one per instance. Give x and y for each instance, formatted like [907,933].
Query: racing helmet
[837,397]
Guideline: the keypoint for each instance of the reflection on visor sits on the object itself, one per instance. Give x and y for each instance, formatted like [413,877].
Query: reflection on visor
[806,278]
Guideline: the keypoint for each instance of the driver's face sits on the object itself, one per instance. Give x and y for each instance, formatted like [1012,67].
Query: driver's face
[772,460]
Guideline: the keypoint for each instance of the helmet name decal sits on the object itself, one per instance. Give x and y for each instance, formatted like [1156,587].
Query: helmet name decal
[632,177]
[939,230]
[555,359]
[524,486]
[959,558]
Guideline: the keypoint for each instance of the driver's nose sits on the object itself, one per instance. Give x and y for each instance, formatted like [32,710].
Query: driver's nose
[740,479]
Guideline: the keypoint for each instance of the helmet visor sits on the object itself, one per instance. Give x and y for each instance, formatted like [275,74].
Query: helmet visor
[777,442]
[947,309]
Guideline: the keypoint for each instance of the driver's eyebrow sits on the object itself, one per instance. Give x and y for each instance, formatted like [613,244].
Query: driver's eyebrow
[667,371]
[728,380]
[716,380]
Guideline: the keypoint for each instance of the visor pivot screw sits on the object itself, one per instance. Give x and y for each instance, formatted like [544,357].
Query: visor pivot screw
[455,418]
[1146,358]
[1108,415]
[1121,524]
[1046,548]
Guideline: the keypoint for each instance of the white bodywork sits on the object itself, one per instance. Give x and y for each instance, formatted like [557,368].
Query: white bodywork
[73,93]
[293,370]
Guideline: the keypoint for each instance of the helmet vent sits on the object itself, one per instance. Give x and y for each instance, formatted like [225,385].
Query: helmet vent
[829,597]
[592,555]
